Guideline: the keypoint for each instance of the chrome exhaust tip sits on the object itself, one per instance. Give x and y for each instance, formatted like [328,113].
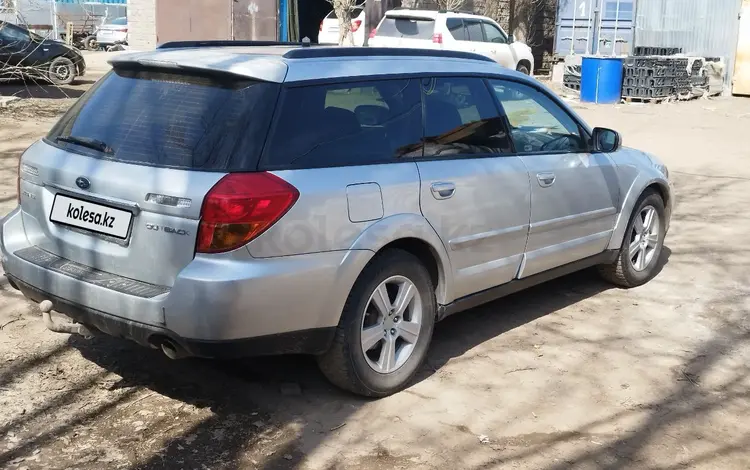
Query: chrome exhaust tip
[172,350]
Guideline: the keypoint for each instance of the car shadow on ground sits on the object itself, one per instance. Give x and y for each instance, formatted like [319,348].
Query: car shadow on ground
[239,393]
[39,89]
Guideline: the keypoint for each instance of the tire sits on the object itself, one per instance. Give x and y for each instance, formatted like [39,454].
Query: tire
[523,69]
[90,43]
[346,364]
[62,71]
[632,271]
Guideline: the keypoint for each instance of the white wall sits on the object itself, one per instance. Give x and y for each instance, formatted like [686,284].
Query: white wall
[142,24]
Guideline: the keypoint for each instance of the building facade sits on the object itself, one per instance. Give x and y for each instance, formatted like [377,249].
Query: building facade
[152,22]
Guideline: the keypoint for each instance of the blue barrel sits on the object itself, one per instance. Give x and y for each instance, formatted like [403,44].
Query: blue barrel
[601,80]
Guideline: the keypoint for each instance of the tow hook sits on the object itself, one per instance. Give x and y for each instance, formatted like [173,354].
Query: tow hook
[72,328]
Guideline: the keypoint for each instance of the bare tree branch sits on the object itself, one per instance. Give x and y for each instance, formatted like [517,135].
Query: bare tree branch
[343,9]
[450,5]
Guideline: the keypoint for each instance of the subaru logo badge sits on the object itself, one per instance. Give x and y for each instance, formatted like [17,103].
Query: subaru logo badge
[83,182]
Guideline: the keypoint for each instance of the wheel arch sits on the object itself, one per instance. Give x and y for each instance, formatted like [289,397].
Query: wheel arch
[640,185]
[412,233]
[73,57]
[527,63]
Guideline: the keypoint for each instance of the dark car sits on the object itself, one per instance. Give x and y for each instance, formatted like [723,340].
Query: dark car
[24,54]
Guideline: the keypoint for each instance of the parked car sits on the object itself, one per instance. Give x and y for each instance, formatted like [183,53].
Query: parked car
[24,54]
[329,28]
[114,32]
[206,215]
[452,31]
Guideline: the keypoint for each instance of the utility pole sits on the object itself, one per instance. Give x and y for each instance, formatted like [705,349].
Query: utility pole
[511,16]
[53,11]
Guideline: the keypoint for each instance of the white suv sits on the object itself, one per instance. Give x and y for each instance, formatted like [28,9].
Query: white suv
[453,31]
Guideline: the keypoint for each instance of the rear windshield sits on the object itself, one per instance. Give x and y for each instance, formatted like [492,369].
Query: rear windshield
[356,11]
[412,28]
[120,21]
[173,120]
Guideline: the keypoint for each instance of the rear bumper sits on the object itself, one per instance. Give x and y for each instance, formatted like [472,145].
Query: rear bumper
[231,302]
[314,341]
[111,39]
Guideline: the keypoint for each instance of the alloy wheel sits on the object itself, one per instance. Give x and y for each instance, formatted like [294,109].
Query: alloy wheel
[391,324]
[644,238]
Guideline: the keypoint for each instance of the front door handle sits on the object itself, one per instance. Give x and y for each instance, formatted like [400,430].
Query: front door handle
[443,190]
[546,179]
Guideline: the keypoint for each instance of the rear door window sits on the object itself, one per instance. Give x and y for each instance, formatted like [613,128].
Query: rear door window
[474,30]
[346,124]
[165,119]
[456,28]
[461,118]
[406,27]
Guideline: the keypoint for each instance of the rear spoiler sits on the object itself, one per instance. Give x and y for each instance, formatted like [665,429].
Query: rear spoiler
[255,67]
[408,15]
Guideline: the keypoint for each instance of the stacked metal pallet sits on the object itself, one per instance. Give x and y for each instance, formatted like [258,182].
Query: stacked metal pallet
[655,77]
[649,51]
[572,77]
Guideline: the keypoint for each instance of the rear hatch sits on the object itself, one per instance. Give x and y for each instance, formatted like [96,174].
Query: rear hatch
[119,182]
[117,28]
[403,29]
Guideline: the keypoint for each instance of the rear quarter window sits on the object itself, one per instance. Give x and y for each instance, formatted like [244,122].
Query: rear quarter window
[174,120]
[411,28]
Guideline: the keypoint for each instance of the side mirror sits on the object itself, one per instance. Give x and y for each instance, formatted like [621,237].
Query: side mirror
[511,39]
[606,140]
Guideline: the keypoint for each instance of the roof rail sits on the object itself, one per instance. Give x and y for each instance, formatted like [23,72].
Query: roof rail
[465,12]
[338,51]
[227,43]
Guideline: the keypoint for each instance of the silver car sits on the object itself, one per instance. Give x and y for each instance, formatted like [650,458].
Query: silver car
[112,33]
[226,199]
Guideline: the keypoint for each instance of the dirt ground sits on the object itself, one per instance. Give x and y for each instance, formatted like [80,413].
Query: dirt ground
[571,374]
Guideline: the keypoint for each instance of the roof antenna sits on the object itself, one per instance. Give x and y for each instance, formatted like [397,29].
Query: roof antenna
[305,42]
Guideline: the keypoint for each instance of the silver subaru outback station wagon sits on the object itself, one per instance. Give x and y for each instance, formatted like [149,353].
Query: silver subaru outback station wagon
[222,199]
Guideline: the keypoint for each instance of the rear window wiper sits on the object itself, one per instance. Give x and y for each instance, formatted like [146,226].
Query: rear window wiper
[86,142]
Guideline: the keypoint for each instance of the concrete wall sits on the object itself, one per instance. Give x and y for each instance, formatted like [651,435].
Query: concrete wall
[183,20]
[142,24]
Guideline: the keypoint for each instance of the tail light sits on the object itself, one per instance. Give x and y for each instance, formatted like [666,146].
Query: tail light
[122,30]
[240,207]
[355,25]
[321,26]
[373,32]
[437,38]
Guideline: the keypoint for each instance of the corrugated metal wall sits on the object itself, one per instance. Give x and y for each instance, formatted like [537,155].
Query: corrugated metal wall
[700,27]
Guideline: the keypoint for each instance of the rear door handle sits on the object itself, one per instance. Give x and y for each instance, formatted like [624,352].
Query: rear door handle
[443,190]
[545,179]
